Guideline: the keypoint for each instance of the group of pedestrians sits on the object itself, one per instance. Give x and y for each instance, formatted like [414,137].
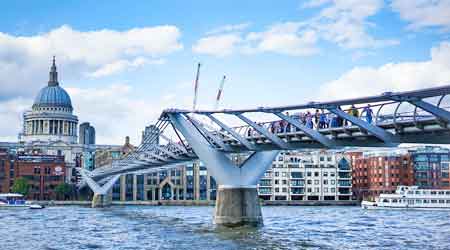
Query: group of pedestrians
[318,120]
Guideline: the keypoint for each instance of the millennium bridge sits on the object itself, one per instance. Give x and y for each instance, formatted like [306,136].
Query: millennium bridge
[385,120]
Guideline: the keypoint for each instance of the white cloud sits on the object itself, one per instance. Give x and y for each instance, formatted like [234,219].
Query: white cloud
[217,45]
[363,81]
[424,13]
[11,117]
[121,65]
[114,111]
[341,22]
[229,28]
[285,38]
[315,3]
[344,22]
[24,60]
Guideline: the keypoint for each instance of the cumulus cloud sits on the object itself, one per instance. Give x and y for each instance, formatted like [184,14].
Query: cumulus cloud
[114,111]
[11,117]
[121,65]
[217,45]
[363,81]
[25,59]
[341,22]
[424,13]
[285,38]
[344,22]
[229,28]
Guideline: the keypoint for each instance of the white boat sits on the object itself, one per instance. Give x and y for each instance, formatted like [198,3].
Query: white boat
[411,197]
[12,200]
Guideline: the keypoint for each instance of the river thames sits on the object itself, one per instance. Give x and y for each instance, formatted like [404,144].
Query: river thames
[171,227]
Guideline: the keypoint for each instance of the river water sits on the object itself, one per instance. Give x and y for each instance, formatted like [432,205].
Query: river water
[170,227]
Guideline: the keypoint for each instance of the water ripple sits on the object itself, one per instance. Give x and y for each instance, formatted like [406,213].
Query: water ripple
[138,227]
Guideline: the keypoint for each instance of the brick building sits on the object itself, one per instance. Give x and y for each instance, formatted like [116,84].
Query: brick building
[377,172]
[43,173]
[6,180]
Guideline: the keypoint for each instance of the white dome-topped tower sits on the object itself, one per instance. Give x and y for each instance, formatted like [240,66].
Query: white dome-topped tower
[51,118]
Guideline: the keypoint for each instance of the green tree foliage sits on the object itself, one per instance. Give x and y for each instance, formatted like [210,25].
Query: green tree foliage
[63,190]
[21,186]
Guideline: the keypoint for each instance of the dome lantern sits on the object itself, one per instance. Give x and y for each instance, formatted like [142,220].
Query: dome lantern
[53,79]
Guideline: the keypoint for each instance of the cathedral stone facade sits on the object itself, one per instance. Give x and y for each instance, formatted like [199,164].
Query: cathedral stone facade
[51,117]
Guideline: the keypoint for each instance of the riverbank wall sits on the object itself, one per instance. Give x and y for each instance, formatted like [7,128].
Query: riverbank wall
[199,203]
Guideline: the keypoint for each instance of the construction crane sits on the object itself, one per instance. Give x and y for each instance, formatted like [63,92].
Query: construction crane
[196,87]
[219,93]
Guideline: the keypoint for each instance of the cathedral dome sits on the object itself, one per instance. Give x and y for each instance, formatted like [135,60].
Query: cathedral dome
[53,95]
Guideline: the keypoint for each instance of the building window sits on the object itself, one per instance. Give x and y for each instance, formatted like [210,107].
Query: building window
[316,182]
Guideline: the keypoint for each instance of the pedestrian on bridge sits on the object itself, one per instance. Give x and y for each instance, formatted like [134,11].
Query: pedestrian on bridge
[369,113]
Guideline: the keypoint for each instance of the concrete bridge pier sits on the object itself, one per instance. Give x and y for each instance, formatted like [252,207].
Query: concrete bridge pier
[237,200]
[237,206]
[101,200]
[102,194]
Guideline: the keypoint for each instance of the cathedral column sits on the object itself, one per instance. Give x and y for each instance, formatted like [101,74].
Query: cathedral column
[34,127]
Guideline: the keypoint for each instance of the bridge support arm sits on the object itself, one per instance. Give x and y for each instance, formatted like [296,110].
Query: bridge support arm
[275,139]
[311,133]
[237,136]
[438,112]
[378,132]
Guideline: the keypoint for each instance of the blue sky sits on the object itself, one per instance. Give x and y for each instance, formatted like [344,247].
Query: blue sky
[125,61]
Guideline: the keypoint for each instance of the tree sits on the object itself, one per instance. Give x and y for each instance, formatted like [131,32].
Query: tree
[21,186]
[63,190]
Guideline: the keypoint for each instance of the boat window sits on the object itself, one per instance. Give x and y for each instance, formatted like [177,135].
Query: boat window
[419,201]
[410,192]
[441,201]
[433,192]
[417,192]
[394,201]
[385,200]
[441,192]
[433,201]
[426,201]
[448,201]
[448,192]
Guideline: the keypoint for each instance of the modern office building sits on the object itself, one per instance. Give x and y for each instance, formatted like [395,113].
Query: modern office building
[319,176]
[316,176]
[190,182]
[431,167]
[86,134]
[151,132]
